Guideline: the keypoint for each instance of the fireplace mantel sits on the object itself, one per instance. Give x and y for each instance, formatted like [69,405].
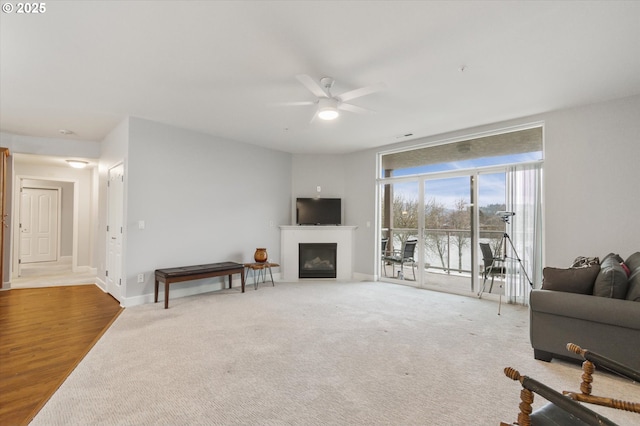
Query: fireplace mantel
[291,236]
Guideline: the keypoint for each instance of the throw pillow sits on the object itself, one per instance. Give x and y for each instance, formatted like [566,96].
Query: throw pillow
[581,261]
[611,281]
[634,286]
[615,256]
[633,261]
[571,280]
[626,269]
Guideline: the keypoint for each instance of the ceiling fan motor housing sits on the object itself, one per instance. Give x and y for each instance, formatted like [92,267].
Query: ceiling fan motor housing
[327,108]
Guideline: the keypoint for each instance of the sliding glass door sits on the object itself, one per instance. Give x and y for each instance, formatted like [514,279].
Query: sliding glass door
[438,212]
[491,200]
[400,211]
[447,233]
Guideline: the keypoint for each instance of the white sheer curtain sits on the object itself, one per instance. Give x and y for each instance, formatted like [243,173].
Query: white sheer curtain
[524,198]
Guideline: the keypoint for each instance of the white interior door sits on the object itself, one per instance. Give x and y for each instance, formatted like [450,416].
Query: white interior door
[115,230]
[38,225]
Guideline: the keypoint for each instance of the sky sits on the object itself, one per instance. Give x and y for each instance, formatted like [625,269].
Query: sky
[446,191]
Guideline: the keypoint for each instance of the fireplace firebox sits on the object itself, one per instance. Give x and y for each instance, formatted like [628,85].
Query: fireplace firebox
[317,260]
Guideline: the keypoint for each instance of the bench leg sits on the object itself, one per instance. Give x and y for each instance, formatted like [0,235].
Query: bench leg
[230,283]
[155,299]
[166,294]
[242,279]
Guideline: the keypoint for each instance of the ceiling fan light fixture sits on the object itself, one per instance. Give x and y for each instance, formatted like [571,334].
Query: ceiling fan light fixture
[328,109]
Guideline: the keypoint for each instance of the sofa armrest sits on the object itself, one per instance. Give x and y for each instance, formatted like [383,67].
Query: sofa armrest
[618,312]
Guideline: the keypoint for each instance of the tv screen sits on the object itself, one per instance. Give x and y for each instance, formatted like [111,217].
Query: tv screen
[318,211]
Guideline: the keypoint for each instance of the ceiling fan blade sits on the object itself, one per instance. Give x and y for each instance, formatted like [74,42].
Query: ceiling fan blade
[312,85]
[353,108]
[291,103]
[363,91]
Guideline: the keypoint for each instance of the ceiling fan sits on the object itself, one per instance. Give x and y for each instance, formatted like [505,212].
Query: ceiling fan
[329,105]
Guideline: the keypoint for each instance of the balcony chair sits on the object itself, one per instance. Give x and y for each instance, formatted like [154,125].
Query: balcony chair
[492,265]
[401,257]
[384,251]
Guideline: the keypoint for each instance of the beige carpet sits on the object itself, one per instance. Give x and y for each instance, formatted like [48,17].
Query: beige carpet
[313,353]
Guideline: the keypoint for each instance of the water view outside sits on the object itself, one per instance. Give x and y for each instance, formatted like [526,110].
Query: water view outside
[447,218]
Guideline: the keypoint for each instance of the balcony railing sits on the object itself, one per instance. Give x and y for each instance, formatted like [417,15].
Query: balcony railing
[441,244]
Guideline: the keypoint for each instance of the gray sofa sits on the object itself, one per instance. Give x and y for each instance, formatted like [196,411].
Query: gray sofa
[596,307]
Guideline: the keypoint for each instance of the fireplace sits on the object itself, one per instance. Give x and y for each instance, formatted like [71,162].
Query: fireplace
[317,260]
[294,235]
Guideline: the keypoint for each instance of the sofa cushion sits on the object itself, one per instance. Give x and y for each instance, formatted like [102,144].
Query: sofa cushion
[633,261]
[633,293]
[611,281]
[615,256]
[571,280]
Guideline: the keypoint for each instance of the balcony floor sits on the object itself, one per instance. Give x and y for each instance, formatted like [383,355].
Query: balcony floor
[454,282]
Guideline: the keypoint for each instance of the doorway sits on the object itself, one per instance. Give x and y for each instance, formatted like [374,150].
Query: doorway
[43,259]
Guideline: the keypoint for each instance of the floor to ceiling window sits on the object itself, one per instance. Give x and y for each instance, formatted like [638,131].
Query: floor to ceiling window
[447,231]
[444,198]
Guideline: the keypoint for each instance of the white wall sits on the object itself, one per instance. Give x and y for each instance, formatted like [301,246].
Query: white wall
[591,178]
[326,171]
[362,208]
[202,199]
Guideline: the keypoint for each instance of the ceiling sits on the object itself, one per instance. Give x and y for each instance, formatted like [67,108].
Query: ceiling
[216,66]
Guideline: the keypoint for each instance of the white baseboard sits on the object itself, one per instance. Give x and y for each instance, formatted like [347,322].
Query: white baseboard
[178,290]
[101,284]
[358,276]
[87,269]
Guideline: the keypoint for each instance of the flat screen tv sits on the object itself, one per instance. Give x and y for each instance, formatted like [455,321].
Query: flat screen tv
[318,211]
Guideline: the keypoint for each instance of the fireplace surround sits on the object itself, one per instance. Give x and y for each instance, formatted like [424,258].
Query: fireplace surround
[292,236]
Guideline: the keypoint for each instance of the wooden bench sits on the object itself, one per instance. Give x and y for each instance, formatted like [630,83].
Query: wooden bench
[187,273]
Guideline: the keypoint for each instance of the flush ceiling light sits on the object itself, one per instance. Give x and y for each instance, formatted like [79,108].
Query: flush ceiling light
[78,164]
[328,109]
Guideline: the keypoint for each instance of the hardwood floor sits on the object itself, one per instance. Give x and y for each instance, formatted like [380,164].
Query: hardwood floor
[44,334]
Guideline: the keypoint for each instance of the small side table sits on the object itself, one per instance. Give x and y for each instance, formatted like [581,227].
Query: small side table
[261,269]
